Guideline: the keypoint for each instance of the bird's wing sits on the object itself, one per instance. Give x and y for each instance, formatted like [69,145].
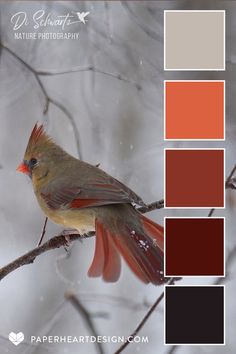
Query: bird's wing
[60,195]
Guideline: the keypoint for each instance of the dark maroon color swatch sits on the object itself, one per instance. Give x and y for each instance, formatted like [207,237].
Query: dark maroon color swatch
[194,246]
[194,178]
[194,314]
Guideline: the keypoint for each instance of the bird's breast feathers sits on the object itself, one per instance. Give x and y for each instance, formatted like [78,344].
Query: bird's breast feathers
[82,220]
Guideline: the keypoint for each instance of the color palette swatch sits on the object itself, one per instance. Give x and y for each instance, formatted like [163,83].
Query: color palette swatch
[194,40]
[194,110]
[194,178]
[194,314]
[194,247]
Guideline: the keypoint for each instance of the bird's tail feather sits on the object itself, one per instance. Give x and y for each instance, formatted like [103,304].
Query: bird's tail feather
[141,247]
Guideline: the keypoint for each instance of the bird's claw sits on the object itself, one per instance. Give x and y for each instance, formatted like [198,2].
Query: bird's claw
[67,241]
[67,234]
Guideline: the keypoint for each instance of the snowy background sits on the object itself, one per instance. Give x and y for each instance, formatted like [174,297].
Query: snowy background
[115,118]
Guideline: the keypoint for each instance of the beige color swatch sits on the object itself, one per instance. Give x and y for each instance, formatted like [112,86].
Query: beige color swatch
[194,40]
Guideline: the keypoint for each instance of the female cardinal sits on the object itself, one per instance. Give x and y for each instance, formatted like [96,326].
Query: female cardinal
[81,196]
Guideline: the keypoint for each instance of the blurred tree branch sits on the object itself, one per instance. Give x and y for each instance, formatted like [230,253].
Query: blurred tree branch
[73,299]
[48,99]
[115,300]
[56,242]
[144,320]
[229,184]
[92,69]
[172,349]
[229,260]
[149,32]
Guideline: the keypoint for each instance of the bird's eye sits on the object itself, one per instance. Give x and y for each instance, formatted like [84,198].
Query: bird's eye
[33,162]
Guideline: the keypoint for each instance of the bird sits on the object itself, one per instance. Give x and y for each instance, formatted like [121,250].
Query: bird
[82,15]
[80,196]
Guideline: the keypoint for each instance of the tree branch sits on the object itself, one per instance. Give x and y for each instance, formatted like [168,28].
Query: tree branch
[29,257]
[152,206]
[56,242]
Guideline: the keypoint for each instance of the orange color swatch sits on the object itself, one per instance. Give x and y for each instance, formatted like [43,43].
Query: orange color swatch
[194,110]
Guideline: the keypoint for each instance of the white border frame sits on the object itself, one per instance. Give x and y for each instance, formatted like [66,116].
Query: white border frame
[213,81]
[188,207]
[193,276]
[193,69]
[191,286]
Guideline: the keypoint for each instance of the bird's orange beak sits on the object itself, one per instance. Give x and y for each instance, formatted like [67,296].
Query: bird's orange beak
[23,168]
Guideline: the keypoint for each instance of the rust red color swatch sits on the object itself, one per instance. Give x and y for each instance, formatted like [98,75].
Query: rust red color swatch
[194,314]
[194,246]
[194,178]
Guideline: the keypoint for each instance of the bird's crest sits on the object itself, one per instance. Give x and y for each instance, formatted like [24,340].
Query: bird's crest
[38,136]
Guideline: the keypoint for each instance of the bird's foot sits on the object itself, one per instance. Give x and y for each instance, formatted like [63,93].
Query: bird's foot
[67,234]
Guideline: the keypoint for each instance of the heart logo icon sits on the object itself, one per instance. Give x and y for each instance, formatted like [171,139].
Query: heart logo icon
[16,338]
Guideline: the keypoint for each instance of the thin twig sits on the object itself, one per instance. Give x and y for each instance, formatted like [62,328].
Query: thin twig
[48,100]
[228,180]
[75,69]
[28,66]
[124,302]
[230,259]
[211,212]
[55,242]
[63,109]
[228,185]
[172,349]
[70,296]
[90,68]
[43,231]
[149,32]
[46,329]
[144,320]
[61,257]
